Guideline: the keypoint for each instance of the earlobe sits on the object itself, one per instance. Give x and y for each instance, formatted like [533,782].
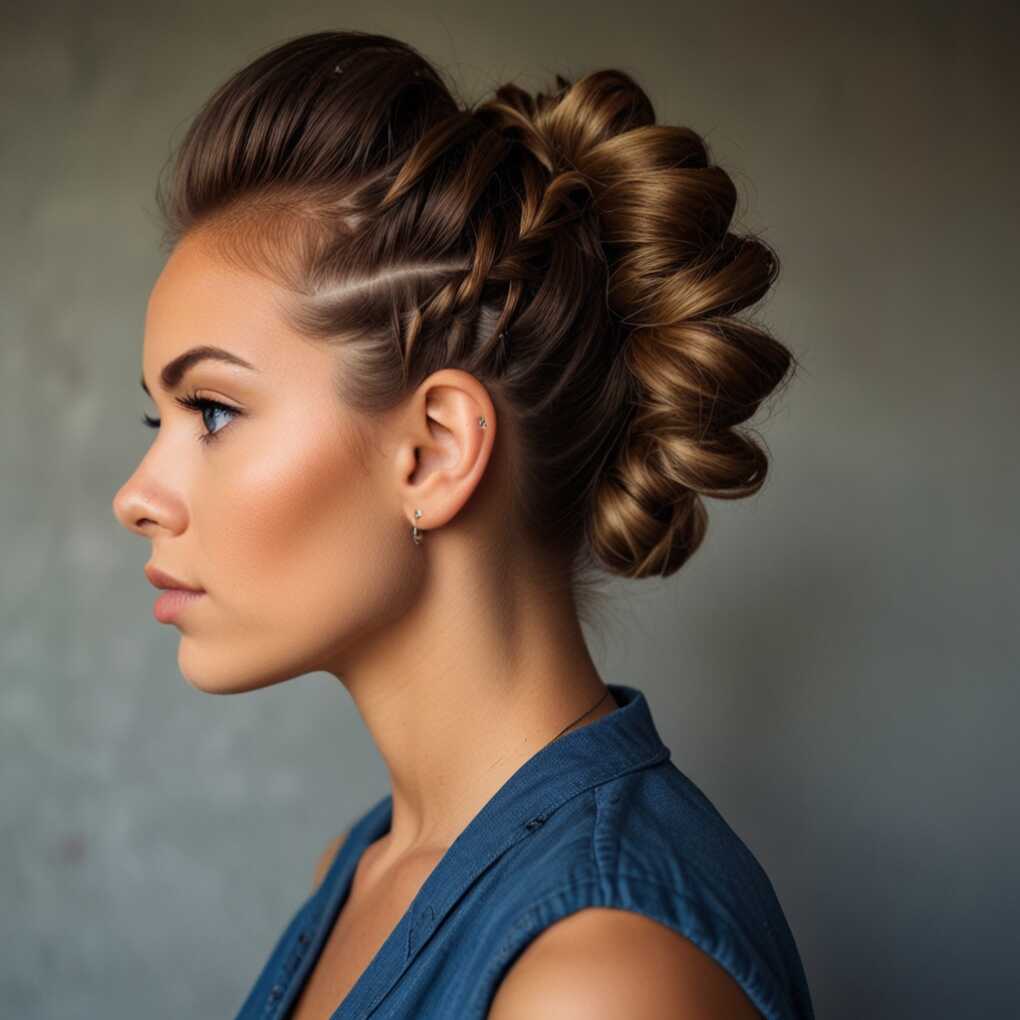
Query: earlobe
[450,447]
[416,532]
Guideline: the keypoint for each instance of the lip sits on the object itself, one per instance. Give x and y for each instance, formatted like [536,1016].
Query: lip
[172,602]
[159,579]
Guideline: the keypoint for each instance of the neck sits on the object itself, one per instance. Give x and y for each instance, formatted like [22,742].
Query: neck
[476,679]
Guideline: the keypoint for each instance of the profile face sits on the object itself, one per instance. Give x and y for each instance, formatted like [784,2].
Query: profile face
[281,514]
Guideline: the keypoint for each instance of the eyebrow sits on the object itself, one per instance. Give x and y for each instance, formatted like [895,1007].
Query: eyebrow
[175,370]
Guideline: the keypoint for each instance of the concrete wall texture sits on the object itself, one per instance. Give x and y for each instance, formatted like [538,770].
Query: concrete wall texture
[837,667]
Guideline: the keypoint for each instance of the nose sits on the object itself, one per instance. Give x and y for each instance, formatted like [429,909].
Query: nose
[142,507]
[132,509]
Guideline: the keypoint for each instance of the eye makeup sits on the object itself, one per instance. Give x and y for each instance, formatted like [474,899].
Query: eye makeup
[201,406]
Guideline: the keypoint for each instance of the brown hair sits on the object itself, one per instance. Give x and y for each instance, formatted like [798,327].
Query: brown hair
[566,250]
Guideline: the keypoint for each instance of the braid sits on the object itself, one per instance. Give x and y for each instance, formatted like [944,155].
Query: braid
[567,251]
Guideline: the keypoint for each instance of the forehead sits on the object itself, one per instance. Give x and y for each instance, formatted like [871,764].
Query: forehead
[201,299]
[199,290]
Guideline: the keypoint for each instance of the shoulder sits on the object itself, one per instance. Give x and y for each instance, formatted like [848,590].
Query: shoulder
[327,857]
[604,963]
[640,891]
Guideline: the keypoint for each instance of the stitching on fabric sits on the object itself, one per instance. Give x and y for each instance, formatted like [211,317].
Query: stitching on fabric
[280,976]
[315,903]
[546,813]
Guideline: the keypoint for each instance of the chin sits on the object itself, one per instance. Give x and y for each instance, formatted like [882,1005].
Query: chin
[226,673]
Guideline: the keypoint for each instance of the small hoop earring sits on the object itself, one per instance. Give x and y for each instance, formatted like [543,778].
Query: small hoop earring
[416,532]
[482,422]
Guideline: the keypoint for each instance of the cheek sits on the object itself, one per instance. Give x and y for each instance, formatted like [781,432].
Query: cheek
[305,557]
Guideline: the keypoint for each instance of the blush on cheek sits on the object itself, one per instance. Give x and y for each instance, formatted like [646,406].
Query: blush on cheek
[296,506]
[305,558]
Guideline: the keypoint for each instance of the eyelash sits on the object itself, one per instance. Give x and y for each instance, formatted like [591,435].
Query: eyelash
[199,405]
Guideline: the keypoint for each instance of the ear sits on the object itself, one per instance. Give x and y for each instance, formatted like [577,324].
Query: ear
[442,449]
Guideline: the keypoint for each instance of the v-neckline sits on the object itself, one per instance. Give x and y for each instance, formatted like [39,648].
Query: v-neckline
[336,888]
[621,741]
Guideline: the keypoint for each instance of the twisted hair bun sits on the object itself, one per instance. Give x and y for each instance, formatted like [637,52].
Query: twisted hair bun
[677,279]
[565,249]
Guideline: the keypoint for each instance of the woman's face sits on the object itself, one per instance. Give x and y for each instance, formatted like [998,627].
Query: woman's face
[283,515]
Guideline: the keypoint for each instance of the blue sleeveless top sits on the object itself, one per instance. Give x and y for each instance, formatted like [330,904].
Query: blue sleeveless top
[598,818]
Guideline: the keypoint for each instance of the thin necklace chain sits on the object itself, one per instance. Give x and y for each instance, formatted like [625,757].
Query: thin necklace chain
[577,720]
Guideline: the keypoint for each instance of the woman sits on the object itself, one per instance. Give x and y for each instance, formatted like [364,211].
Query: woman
[423,369]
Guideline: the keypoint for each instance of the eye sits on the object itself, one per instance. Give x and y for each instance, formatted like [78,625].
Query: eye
[201,406]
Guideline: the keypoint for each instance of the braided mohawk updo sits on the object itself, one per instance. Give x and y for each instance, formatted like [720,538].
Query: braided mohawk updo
[568,252]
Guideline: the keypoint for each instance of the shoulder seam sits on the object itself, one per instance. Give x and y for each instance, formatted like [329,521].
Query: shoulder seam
[759,982]
[600,871]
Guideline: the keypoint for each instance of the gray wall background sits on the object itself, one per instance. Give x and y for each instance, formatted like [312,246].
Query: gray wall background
[837,667]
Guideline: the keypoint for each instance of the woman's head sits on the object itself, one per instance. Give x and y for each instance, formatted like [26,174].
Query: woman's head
[397,264]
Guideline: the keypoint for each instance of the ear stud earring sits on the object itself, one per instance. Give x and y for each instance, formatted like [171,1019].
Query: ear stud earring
[416,532]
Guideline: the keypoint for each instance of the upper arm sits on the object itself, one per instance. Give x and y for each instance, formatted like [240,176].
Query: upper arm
[326,858]
[605,964]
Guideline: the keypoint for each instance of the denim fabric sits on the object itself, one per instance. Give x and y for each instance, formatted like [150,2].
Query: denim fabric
[600,817]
